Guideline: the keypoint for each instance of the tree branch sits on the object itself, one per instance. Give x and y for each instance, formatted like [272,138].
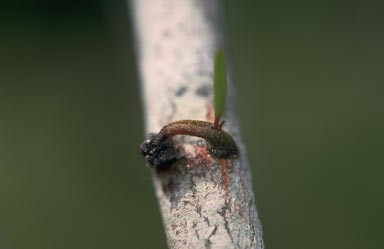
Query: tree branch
[205,202]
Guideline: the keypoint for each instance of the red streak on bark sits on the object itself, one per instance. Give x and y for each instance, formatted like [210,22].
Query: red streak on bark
[226,180]
[239,210]
[201,158]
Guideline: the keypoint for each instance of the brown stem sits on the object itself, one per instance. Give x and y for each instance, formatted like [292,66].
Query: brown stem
[157,149]
[219,142]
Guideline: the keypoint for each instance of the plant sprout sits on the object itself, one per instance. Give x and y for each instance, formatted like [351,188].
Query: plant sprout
[159,149]
[219,87]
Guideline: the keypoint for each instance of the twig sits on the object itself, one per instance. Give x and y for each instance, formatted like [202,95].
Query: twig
[205,202]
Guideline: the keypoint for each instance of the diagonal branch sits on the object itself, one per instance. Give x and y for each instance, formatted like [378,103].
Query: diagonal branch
[205,202]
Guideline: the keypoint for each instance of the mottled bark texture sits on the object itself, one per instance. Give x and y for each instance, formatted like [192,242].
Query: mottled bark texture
[205,202]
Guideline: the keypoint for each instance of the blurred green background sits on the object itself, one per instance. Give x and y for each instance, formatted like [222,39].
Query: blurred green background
[309,78]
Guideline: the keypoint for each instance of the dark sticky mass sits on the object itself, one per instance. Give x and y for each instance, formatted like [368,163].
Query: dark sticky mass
[204,90]
[160,153]
[180,92]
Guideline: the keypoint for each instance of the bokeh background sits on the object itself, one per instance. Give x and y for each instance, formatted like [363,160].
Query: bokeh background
[309,79]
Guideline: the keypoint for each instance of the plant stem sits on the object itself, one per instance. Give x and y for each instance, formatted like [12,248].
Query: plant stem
[219,142]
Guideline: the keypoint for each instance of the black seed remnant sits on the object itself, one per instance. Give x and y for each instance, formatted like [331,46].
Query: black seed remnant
[159,153]
[180,92]
[204,91]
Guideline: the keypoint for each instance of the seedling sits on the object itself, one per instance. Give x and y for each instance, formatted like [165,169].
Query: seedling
[159,149]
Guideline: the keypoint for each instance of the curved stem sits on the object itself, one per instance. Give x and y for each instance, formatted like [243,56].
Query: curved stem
[160,151]
[219,142]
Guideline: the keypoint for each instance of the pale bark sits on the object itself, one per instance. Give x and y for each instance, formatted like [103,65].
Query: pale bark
[205,202]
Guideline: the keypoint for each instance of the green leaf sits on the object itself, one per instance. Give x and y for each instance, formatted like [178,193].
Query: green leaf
[220,83]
